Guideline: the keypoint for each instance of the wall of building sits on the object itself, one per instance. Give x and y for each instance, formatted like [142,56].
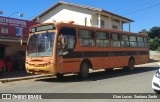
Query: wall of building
[94,22]
[116,24]
[68,13]
[14,27]
[78,15]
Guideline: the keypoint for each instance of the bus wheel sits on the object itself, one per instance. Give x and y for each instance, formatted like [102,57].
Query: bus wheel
[84,70]
[130,66]
[59,75]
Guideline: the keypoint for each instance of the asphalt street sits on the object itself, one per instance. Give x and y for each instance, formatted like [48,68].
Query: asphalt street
[117,81]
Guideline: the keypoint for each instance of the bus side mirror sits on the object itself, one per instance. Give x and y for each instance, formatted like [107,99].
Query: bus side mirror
[22,42]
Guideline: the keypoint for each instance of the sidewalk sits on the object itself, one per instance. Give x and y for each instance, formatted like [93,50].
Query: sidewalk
[18,75]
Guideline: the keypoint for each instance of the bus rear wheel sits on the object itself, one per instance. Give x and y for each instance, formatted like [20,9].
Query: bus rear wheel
[84,70]
[130,66]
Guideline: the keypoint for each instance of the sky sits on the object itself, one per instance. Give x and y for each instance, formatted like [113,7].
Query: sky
[144,13]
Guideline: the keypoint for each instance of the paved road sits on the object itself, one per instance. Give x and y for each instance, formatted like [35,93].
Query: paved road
[117,81]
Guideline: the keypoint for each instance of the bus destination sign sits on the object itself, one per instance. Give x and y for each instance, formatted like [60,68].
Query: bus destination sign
[42,28]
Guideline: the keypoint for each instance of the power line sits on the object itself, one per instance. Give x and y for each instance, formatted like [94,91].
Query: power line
[130,4]
[143,8]
[137,5]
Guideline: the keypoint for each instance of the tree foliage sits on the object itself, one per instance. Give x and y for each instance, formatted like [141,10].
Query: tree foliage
[144,31]
[154,32]
[153,37]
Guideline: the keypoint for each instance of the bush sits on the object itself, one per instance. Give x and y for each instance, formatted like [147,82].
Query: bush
[158,49]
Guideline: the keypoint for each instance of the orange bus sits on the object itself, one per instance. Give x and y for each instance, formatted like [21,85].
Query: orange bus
[59,48]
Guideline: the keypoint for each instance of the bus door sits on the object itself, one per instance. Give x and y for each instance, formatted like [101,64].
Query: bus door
[65,53]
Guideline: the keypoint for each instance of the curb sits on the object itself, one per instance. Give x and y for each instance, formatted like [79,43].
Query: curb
[149,64]
[22,78]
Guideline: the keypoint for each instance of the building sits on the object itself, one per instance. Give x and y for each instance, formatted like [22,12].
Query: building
[11,30]
[83,15]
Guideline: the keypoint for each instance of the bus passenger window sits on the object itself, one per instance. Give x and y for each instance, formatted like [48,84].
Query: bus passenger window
[115,40]
[86,38]
[70,42]
[102,39]
[145,42]
[133,41]
[124,41]
[141,42]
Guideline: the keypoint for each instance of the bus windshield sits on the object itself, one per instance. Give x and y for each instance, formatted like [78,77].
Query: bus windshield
[40,45]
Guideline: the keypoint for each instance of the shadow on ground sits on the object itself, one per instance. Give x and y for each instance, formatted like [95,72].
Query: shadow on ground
[100,75]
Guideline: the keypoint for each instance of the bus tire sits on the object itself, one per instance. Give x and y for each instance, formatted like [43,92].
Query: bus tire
[130,66]
[59,75]
[84,70]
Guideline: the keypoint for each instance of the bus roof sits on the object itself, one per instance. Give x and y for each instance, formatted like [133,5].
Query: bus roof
[71,24]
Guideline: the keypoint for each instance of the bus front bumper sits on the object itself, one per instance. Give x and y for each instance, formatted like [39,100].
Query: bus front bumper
[48,69]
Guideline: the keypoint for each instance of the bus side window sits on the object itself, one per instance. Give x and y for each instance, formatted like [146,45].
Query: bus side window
[133,41]
[102,39]
[115,40]
[124,41]
[145,42]
[140,41]
[86,38]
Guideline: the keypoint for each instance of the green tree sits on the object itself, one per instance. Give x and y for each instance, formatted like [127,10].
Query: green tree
[154,32]
[153,37]
[154,43]
[144,31]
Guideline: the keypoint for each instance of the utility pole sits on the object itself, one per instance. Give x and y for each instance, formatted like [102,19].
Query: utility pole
[85,21]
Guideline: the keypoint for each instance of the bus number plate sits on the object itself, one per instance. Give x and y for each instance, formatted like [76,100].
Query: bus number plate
[36,69]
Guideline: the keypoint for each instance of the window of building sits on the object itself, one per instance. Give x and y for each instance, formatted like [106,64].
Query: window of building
[114,27]
[133,41]
[124,41]
[4,30]
[115,40]
[86,38]
[102,24]
[102,39]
